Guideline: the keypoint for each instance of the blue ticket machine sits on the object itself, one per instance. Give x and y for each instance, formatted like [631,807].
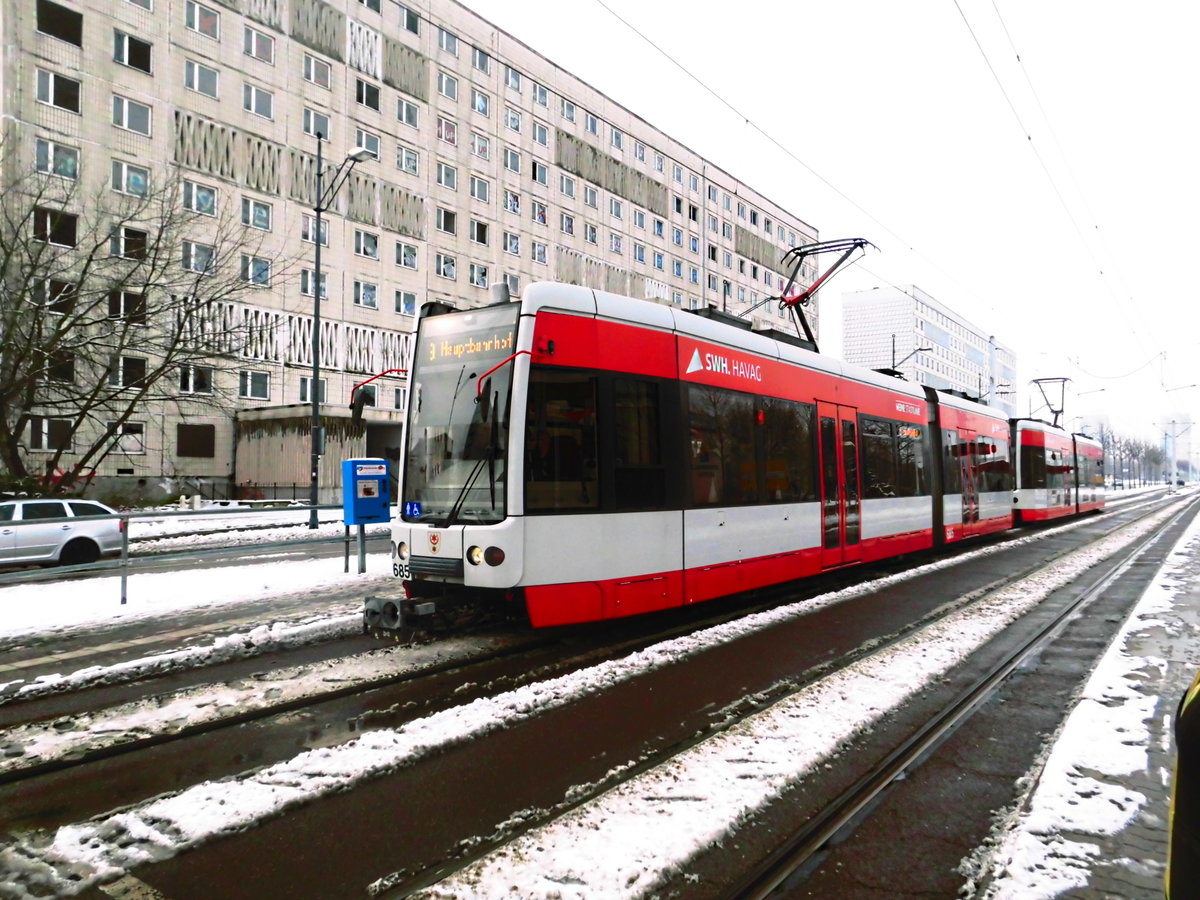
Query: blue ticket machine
[365,501]
[365,491]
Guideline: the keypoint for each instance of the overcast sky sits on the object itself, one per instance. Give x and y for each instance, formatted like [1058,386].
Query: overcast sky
[1050,203]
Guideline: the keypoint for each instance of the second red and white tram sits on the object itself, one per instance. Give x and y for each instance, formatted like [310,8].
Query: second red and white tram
[588,456]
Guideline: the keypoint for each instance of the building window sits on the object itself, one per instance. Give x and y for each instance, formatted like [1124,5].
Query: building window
[481,60]
[318,72]
[479,275]
[54,158]
[367,140]
[480,102]
[254,385]
[316,124]
[409,20]
[539,211]
[566,223]
[372,5]
[127,306]
[196,440]
[512,243]
[256,269]
[366,294]
[53,226]
[512,160]
[128,243]
[60,22]
[448,41]
[639,218]
[406,255]
[198,257]
[618,139]
[541,173]
[447,131]
[566,185]
[195,379]
[407,159]
[55,297]
[677,174]
[201,19]
[480,146]
[540,96]
[445,266]
[658,162]
[260,46]
[49,434]
[447,176]
[541,134]
[480,189]
[512,78]
[589,233]
[58,90]
[366,94]
[366,244]
[512,119]
[406,303]
[308,227]
[306,386]
[200,78]
[591,124]
[130,437]
[639,151]
[614,207]
[658,260]
[258,101]
[568,110]
[128,372]
[447,85]
[129,179]
[590,197]
[447,221]
[130,51]
[639,252]
[512,202]
[407,112]
[539,252]
[677,237]
[256,214]
[308,278]
[614,243]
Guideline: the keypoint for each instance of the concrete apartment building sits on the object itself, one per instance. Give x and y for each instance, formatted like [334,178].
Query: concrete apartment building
[885,328]
[488,162]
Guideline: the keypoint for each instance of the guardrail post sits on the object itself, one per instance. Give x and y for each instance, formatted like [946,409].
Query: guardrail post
[124,558]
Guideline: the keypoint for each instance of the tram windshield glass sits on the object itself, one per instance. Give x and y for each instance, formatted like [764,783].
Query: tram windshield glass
[457,436]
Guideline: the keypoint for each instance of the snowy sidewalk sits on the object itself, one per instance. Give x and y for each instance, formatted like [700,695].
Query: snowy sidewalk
[1095,825]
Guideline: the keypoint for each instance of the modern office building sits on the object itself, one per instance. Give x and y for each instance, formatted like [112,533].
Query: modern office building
[905,329]
[485,162]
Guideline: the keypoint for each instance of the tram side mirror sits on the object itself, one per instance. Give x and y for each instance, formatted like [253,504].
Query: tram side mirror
[484,399]
[356,407]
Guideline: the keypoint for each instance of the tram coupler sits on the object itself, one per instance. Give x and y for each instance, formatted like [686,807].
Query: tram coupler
[397,618]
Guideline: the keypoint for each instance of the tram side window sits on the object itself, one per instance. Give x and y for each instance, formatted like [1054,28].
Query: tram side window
[723,466]
[1059,471]
[910,461]
[639,476]
[789,435]
[878,458]
[560,442]
[1033,467]
[995,469]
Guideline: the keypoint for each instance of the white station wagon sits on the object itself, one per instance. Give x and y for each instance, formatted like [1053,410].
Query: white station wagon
[57,531]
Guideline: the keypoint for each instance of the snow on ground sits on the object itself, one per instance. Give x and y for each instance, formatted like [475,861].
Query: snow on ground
[714,795]
[1080,796]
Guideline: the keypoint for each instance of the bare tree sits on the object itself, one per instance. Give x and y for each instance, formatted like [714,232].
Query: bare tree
[111,300]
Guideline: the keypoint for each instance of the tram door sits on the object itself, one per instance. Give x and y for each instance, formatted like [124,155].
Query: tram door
[840,490]
[969,460]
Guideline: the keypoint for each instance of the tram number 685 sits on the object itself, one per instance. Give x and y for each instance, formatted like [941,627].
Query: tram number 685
[401,570]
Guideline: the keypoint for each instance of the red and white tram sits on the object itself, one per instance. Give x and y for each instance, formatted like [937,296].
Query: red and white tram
[1058,474]
[589,456]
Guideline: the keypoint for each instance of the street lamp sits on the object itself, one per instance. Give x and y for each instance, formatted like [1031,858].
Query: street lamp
[324,195]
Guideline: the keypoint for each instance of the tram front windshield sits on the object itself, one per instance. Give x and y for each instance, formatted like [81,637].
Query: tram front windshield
[457,430]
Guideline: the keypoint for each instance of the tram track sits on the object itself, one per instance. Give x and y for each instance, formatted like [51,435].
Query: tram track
[222,750]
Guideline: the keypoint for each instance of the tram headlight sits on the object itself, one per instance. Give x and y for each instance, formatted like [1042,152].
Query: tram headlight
[493,556]
[402,550]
